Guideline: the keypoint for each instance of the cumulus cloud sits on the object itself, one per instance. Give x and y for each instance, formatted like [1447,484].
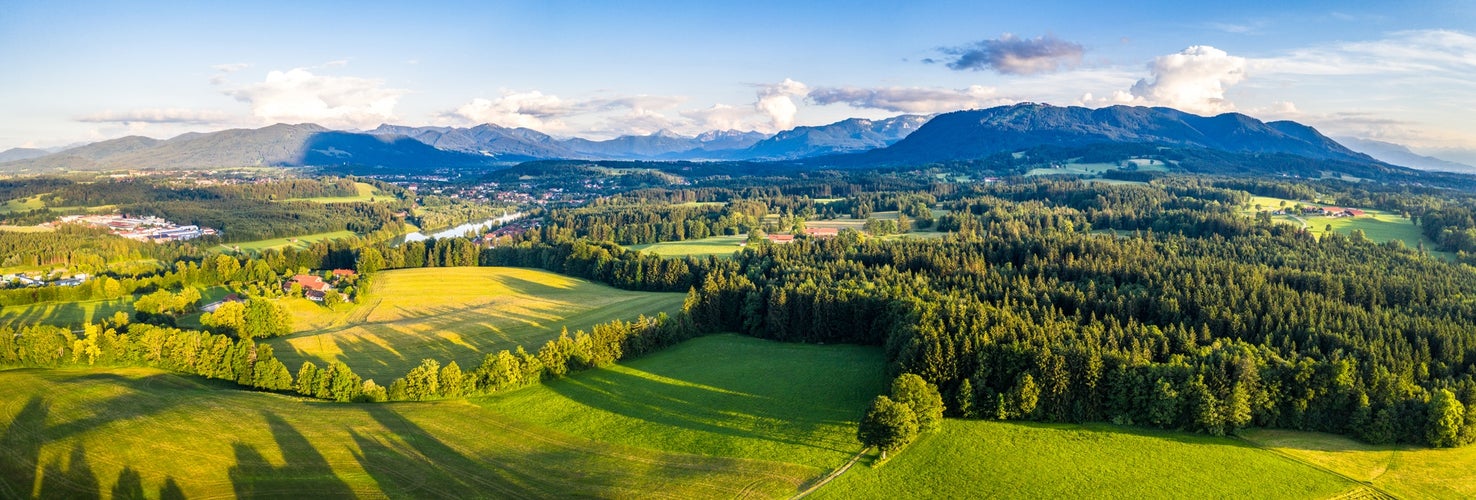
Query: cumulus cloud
[921,100]
[1193,80]
[533,109]
[722,117]
[158,115]
[1013,55]
[777,101]
[298,95]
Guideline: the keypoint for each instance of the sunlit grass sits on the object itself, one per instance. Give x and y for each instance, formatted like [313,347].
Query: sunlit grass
[458,314]
[990,459]
[716,245]
[1407,471]
[75,433]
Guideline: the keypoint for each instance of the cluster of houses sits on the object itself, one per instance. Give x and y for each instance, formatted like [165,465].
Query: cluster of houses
[147,228]
[509,231]
[314,287]
[22,280]
[1325,211]
[813,232]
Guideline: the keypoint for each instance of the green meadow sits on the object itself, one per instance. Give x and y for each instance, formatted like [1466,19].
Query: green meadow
[1377,225]
[990,459]
[459,314]
[136,433]
[716,245]
[1402,470]
[367,192]
[721,395]
[279,243]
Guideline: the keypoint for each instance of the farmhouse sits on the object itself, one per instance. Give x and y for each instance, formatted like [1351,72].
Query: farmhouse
[308,282]
[822,232]
[344,273]
[781,238]
[211,307]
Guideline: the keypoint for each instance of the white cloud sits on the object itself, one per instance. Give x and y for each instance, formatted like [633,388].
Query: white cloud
[230,68]
[1193,80]
[298,95]
[921,100]
[533,110]
[337,63]
[1423,51]
[723,117]
[777,101]
[158,115]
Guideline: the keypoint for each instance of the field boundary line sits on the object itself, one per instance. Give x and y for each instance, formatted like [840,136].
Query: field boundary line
[834,474]
[1288,456]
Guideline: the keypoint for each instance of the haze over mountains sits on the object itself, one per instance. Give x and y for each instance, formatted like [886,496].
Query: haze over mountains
[961,135]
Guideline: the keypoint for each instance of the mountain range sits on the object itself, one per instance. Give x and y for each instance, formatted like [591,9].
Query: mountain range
[907,139]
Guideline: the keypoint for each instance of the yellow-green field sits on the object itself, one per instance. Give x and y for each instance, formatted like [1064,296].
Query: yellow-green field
[27,229]
[459,314]
[1092,169]
[21,204]
[991,459]
[136,433]
[716,245]
[279,243]
[367,192]
[1377,225]
[722,395]
[1405,471]
[67,314]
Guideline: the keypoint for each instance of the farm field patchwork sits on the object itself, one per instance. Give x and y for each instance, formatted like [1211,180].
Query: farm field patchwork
[1406,471]
[1377,225]
[990,459]
[138,433]
[458,314]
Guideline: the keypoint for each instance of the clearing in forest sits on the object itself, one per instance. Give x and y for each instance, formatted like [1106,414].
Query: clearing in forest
[454,313]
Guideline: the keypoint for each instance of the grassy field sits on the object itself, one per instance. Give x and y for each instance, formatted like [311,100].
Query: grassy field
[297,241]
[457,314]
[721,395]
[716,245]
[145,433]
[21,204]
[1406,471]
[69,314]
[1093,169]
[26,229]
[367,192]
[1376,225]
[985,459]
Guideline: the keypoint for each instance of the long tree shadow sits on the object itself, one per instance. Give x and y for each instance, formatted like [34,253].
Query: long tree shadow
[304,473]
[20,449]
[74,480]
[689,407]
[129,485]
[421,465]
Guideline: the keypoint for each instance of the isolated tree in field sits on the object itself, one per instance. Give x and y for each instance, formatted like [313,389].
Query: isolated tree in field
[921,397]
[1446,416]
[888,425]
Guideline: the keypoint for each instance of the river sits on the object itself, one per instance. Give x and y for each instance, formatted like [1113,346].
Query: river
[472,227]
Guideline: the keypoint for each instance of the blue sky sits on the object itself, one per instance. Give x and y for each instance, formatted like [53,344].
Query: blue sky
[1398,71]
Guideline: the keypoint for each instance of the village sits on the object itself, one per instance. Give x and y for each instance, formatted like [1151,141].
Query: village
[145,228]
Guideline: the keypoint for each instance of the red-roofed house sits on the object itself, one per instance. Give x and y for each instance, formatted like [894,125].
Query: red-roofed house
[308,282]
[781,238]
[822,232]
[344,273]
